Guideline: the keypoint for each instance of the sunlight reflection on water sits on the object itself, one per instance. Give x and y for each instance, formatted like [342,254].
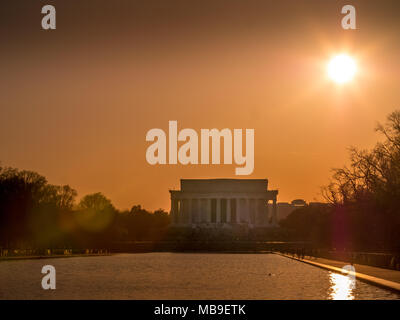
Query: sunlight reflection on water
[342,286]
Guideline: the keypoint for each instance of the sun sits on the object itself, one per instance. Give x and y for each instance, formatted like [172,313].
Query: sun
[342,68]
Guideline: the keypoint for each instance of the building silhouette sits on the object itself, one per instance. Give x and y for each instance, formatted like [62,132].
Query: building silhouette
[224,203]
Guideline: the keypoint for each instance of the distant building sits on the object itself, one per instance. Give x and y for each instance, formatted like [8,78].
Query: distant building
[283,210]
[286,208]
[224,203]
[299,203]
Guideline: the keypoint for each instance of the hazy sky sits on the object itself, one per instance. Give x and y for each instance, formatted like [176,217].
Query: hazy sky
[77,102]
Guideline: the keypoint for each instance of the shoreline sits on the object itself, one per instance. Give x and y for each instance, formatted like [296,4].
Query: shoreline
[388,279]
[56,256]
[115,253]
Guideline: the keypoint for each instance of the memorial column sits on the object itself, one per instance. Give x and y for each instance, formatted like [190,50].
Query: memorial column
[248,210]
[208,210]
[228,210]
[174,211]
[218,210]
[189,213]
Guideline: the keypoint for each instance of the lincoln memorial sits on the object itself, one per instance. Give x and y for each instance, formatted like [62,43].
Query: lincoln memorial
[223,203]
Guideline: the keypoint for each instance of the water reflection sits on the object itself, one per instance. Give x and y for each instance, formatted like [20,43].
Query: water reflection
[342,286]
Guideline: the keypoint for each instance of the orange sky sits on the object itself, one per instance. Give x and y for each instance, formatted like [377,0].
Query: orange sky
[77,102]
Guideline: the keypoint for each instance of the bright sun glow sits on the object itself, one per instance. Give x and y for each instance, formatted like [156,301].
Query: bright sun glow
[342,68]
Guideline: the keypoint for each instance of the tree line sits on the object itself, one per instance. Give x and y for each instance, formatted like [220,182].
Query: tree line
[364,199]
[363,210]
[36,214]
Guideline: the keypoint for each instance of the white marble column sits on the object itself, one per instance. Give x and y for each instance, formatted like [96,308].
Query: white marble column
[179,211]
[193,209]
[183,211]
[240,210]
[174,211]
[203,210]
[228,210]
[208,210]
[234,219]
[248,210]
[189,213]
[218,210]
[265,213]
[199,217]
[260,214]
[253,211]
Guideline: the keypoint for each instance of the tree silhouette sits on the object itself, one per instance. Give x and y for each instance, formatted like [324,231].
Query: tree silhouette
[364,197]
[27,202]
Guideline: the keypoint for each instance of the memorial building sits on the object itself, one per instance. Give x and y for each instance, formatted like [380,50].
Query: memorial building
[223,203]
